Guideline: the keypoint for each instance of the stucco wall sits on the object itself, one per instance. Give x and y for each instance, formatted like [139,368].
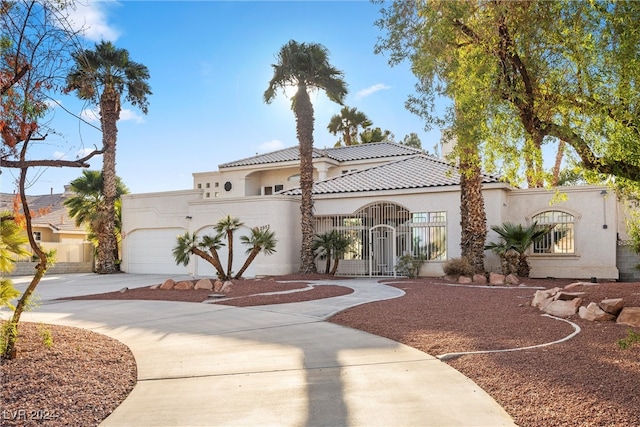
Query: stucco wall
[595,230]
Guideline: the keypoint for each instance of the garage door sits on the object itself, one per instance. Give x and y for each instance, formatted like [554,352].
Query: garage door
[149,251]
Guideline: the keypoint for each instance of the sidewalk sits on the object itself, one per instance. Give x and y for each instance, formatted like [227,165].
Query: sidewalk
[212,365]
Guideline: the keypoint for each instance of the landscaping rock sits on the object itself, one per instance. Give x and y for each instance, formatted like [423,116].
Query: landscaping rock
[511,279]
[450,278]
[480,279]
[217,285]
[204,284]
[184,285]
[594,313]
[612,305]
[566,296]
[561,308]
[496,279]
[154,287]
[630,316]
[465,280]
[226,287]
[544,297]
[168,284]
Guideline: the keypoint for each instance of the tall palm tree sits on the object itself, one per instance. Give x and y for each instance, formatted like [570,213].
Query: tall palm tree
[261,239]
[228,226]
[86,205]
[306,66]
[347,123]
[103,76]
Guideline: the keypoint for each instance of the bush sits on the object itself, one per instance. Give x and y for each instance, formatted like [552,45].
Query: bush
[458,267]
[409,266]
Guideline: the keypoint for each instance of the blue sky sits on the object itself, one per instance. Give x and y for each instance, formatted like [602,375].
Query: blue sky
[210,62]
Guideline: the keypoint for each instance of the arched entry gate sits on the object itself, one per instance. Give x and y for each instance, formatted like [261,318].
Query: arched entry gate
[378,235]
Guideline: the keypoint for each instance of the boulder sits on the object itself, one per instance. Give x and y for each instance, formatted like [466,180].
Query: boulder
[480,279]
[612,305]
[496,279]
[512,279]
[543,297]
[226,287]
[184,285]
[561,308]
[572,286]
[217,285]
[630,316]
[154,287]
[566,296]
[594,313]
[204,284]
[465,280]
[450,278]
[168,284]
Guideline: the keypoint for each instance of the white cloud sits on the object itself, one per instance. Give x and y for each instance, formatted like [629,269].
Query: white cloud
[90,17]
[272,145]
[83,152]
[59,155]
[371,90]
[126,115]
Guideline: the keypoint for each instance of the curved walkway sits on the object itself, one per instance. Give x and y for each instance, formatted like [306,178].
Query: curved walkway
[212,365]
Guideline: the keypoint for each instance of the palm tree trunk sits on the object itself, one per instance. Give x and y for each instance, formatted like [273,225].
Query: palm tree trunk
[230,254]
[252,255]
[304,128]
[107,242]
[213,259]
[472,212]
[335,266]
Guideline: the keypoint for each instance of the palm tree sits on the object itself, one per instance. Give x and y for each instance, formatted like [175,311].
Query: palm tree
[369,135]
[347,123]
[305,65]
[341,245]
[518,238]
[188,244]
[12,244]
[102,76]
[322,247]
[228,226]
[86,206]
[261,239]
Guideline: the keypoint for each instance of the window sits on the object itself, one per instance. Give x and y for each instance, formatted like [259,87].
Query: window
[208,185]
[429,235]
[216,194]
[217,184]
[560,238]
[37,235]
[294,178]
[206,195]
[278,188]
[199,186]
[268,191]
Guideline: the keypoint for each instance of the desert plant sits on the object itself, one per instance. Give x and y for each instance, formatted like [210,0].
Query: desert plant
[631,338]
[519,238]
[332,246]
[409,266]
[46,335]
[261,239]
[458,267]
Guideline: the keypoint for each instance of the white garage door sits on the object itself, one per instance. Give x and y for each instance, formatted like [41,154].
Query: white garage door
[149,251]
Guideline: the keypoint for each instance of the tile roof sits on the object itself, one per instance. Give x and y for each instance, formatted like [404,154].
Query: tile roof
[340,154]
[418,171]
[55,215]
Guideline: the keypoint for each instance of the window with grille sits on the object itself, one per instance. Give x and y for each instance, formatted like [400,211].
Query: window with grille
[429,235]
[560,237]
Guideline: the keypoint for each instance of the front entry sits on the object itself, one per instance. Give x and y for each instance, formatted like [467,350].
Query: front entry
[382,241]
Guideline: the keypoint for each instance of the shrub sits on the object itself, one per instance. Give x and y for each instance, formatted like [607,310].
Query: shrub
[409,266]
[458,267]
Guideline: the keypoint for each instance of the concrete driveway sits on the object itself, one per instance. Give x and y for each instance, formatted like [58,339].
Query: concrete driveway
[275,365]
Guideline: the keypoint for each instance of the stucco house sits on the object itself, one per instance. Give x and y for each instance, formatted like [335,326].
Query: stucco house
[54,229]
[389,199]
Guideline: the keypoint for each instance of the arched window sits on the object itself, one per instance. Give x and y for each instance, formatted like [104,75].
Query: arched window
[560,238]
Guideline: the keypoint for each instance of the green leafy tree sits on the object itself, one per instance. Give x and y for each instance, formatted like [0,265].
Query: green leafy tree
[347,123]
[86,205]
[370,135]
[545,72]
[305,66]
[103,76]
[412,140]
[519,238]
[261,239]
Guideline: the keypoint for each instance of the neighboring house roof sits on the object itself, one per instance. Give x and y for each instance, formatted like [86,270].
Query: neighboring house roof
[55,214]
[418,171]
[340,154]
